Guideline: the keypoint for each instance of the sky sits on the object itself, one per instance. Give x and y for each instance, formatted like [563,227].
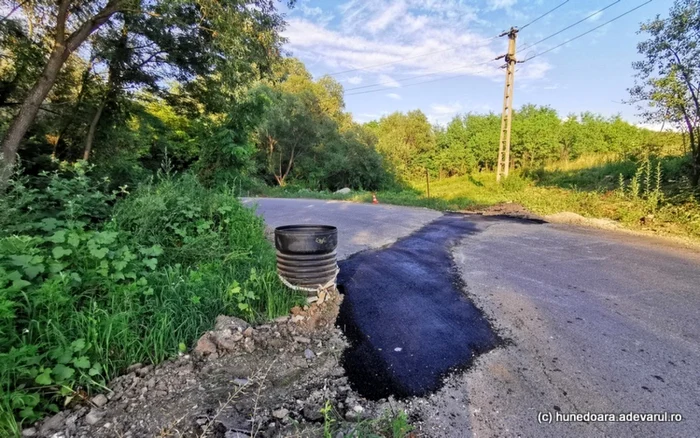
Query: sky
[450,46]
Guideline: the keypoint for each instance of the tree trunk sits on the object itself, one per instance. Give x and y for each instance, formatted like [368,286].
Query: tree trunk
[27,112]
[63,47]
[91,132]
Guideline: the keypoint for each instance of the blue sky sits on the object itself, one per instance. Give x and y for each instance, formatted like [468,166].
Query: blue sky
[457,37]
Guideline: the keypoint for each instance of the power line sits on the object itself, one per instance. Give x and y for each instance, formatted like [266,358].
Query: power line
[587,32]
[570,26]
[544,15]
[418,76]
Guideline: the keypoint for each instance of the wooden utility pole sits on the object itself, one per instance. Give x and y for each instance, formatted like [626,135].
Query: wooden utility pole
[506,118]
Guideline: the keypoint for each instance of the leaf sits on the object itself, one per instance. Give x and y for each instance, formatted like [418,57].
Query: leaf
[78,345]
[58,237]
[14,276]
[21,260]
[44,378]
[81,362]
[243,306]
[20,284]
[60,251]
[95,369]
[99,253]
[151,263]
[148,292]
[182,347]
[32,271]
[63,372]
[73,240]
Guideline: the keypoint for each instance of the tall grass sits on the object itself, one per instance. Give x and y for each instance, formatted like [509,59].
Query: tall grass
[651,194]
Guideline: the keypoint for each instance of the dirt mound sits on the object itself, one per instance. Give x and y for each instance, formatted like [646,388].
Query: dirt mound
[567,217]
[511,209]
[268,380]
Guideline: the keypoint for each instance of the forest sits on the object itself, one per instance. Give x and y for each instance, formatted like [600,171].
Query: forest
[130,128]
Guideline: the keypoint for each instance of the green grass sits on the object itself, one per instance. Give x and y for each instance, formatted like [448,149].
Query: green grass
[589,187]
[81,300]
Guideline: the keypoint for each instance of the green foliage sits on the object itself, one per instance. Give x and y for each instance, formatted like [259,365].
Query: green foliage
[669,71]
[83,296]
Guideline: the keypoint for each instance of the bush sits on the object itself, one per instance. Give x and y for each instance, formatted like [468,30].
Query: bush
[81,298]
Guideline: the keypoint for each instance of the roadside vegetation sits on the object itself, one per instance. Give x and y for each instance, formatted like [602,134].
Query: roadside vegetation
[121,233]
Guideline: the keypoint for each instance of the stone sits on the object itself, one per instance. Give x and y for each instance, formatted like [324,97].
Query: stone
[93,416]
[249,345]
[240,382]
[30,431]
[309,354]
[282,319]
[205,346]
[249,332]
[280,413]
[302,340]
[312,413]
[235,434]
[99,400]
[344,191]
[53,423]
[230,322]
[226,339]
[141,372]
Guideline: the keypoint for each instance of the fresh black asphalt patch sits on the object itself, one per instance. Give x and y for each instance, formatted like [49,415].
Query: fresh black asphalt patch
[406,315]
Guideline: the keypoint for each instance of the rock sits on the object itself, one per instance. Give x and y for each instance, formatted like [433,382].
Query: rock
[344,191]
[134,367]
[280,413]
[99,400]
[30,431]
[141,372]
[53,423]
[93,416]
[229,322]
[282,319]
[249,332]
[205,346]
[240,382]
[235,434]
[227,339]
[249,345]
[297,318]
[302,340]
[309,354]
[312,413]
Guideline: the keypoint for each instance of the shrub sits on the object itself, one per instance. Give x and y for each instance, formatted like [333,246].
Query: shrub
[81,298]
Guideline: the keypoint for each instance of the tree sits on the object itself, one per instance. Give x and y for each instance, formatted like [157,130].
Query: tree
[405,139]
[74,23]
[667,83]
[289,131]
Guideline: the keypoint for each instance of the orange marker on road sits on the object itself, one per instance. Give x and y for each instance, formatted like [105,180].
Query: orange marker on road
[374,199]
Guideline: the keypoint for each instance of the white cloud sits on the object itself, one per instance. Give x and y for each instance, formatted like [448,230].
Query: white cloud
[388,81]
[501,4]
[387,16]
[445,109]
[354,80]
[596,17]
[394,96]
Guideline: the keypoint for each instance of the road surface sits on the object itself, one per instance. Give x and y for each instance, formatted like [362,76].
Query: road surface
[595,322]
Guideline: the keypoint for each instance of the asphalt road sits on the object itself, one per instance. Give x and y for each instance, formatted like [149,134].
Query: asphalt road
[597,322]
